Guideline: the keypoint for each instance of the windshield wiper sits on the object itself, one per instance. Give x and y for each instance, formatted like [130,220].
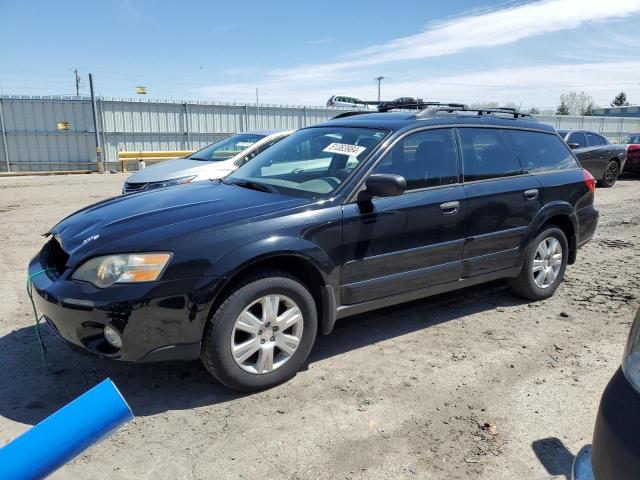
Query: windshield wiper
[261,187]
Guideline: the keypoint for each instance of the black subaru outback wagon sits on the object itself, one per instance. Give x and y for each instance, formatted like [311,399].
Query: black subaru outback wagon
[358,213]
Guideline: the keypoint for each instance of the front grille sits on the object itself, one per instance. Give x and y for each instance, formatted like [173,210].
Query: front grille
[53,256]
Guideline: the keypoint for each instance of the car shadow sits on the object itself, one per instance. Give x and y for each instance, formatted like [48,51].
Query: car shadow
[554,456]
[31,393]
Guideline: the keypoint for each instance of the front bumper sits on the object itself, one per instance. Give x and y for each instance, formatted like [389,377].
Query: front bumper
[156,320]
[616,438]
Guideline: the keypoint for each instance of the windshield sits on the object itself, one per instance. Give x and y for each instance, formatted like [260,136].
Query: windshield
[310,161]
[227,148]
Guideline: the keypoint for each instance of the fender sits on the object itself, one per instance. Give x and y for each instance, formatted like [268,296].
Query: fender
[251,253]
[548,211]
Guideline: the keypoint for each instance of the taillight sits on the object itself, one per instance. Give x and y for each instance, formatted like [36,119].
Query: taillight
[589,181]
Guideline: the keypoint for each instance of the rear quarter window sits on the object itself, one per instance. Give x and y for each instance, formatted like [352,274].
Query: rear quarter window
[541,152]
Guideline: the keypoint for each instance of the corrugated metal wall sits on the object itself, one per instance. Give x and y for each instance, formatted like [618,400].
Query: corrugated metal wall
[34,143]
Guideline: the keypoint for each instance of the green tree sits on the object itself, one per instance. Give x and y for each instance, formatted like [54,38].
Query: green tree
[588,110]
[563,109]
[620,100]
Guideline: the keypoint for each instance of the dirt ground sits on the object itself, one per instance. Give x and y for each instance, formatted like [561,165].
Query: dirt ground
[399,393]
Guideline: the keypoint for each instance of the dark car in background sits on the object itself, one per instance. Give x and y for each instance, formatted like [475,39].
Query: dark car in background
[615,452]
[402,103]
[603,159]
[348,216]
[632,142]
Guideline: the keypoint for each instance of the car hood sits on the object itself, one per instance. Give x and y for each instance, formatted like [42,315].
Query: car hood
[133,223]
[181,167]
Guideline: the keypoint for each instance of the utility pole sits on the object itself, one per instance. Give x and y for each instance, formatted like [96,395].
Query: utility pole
[77,83]
[379,80]
[257,97]
[95,126]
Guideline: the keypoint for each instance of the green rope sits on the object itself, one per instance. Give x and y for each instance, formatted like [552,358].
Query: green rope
[29,286]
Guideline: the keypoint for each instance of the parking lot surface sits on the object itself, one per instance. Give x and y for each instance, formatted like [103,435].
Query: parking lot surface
[473,384]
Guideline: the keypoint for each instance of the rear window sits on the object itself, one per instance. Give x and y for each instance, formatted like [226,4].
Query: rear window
[595,140]
[541,152]
[486,154]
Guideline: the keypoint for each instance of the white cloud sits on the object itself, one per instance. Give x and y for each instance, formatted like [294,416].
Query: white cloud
[603,73]
[498,27]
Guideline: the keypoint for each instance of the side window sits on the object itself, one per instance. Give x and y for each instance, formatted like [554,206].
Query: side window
[541,152]
[594,140]
[424,159]
[577,137]
[486,154]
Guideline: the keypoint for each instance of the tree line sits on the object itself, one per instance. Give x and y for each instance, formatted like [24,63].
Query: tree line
[581,103]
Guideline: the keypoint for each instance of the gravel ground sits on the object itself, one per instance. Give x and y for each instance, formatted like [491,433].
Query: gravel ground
[398,393]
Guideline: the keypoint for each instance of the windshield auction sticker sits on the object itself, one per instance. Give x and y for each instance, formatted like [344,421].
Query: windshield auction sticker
[344,149]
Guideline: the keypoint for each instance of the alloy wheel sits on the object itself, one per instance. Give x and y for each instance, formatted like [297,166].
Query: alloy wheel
[266,334]
[611,175]
[547,262]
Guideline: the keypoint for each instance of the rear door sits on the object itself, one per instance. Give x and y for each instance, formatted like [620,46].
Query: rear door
[502,200]
[396,244]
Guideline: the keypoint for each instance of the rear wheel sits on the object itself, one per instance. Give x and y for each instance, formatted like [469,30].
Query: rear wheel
[610,175]
[544,266]
[262,333]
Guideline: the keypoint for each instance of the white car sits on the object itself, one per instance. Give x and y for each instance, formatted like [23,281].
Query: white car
[346,101]
[214,161]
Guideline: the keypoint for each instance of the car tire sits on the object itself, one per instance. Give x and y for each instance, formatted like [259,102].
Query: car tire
[245,321]
[610,175]
[538,264]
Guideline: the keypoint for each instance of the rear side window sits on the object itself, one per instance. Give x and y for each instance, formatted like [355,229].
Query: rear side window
[486,154]
[541,152]
[578,138]
[595,140]
[424,159]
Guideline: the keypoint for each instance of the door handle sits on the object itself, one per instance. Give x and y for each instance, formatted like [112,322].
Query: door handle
[531,194]
[449,208]
[297,170]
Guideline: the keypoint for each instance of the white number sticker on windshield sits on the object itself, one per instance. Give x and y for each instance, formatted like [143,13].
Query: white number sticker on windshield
[344,149]
[244,144]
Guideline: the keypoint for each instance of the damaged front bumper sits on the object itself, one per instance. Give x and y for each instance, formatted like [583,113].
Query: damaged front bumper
[156,321]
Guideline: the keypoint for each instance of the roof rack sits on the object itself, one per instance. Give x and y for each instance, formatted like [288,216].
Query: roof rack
[459,107]
[350,114]
[419,105]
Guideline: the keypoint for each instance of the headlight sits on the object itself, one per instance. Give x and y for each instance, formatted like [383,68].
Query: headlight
[125,268]
[171,182]
[631,360]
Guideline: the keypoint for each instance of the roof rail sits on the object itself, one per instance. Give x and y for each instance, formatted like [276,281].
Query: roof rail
[459,107]
[350,114]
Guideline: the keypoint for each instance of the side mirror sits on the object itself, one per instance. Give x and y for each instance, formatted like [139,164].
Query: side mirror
[383,185]
[573,146]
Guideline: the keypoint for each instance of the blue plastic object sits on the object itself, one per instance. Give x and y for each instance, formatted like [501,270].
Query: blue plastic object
[58,438]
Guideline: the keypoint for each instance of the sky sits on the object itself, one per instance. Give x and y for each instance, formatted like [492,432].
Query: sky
[302,52]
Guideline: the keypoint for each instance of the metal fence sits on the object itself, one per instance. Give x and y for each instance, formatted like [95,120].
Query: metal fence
[56,133]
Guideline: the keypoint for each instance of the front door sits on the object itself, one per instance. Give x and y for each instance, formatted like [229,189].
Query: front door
[397,244]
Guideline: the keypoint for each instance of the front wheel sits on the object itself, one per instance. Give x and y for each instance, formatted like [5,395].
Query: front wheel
[262,333]
[544,266]
[610,175]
